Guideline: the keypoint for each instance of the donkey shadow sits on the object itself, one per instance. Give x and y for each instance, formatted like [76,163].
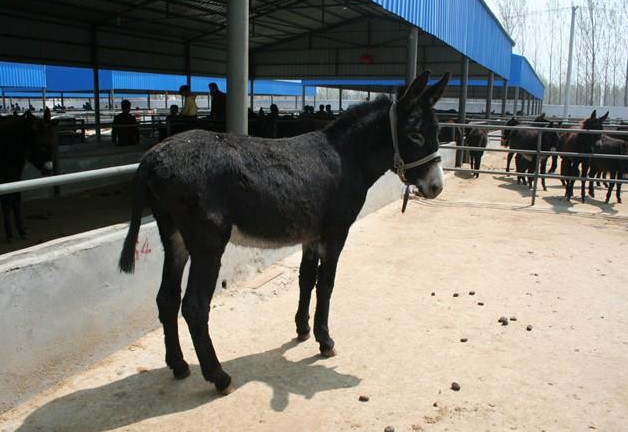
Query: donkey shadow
[155,393]
[510,183]
[561,205]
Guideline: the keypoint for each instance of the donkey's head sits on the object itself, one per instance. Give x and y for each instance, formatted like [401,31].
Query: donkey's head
[594,122]
[550,138]
[506,132]
[415,136]
[41,143]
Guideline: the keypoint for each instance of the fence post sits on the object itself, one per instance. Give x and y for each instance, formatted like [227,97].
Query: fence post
[536,169]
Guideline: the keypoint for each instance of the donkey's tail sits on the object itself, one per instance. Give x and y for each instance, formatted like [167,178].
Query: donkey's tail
[127,257]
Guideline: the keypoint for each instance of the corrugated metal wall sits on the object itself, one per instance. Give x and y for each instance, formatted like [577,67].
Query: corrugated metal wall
[25,78]
[22,75]
[466,25]
[522,75]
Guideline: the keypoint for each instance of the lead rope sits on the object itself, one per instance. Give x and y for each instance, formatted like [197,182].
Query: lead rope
[398,162]
[397,159]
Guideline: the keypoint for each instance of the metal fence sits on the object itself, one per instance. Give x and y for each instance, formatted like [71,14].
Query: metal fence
[537,153]
[123,170]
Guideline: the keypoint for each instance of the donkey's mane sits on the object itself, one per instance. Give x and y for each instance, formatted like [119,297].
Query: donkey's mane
[14,123]
[355,115]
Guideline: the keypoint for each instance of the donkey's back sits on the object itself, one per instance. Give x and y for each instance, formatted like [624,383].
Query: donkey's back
[278,191]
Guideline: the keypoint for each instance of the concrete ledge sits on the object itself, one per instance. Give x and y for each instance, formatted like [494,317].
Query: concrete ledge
[65,305]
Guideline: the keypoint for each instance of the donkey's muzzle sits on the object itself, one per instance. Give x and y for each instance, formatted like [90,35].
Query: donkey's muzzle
[432,184]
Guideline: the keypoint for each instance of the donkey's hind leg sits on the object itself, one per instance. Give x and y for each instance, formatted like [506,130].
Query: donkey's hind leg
[331,248]
[307,280]
[17,212]
[6,216]
[169,297]
[206,243]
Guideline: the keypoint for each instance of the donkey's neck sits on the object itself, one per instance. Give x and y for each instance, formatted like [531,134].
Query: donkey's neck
[364,139]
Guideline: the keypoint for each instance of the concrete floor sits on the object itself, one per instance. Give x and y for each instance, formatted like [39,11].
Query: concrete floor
[558,267]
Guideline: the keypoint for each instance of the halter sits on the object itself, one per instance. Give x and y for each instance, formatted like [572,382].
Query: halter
[398,163]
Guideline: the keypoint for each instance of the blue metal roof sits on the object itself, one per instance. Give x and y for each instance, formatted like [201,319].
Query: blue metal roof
[123,80]
[466,25]
[25,76]
[391,82]
[74,79]
[522,75]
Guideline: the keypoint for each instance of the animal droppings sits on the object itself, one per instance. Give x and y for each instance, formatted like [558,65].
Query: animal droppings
[389,429]
[480,303]
[435,404]
[433,294]
[463,340]
[503,320]
[529,328]
[455,294]
[364,398]
[513,318]
[455,386]
[471,292]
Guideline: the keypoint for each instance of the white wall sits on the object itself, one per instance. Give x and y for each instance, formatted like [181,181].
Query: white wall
[65,305]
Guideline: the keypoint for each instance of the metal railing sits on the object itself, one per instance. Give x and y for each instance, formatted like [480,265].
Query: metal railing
[538,152]
[122,170]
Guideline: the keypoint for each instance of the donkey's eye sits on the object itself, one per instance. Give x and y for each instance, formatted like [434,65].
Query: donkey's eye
[415,136]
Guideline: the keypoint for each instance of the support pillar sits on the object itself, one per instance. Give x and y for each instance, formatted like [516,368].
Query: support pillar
[188,64]
[413,46]
[505,98]
[237,65]
[43,98]
[96,70]
[252,95]
[489,96]
[462,107]
[302,98]
[515,102]
[340,99]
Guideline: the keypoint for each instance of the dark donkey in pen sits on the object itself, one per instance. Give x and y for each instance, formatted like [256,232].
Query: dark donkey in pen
[527,140]
[579,142]
[22,138]
[206,189]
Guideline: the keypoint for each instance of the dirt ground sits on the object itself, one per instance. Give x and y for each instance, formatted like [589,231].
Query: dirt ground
[398,325]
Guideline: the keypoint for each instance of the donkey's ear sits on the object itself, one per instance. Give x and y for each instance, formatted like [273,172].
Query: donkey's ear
[593,114]
[433,94]
[416,88]
[47,116]
[604,117]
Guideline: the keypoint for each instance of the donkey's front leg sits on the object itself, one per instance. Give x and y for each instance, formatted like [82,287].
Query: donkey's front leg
[330,252]
[204,269]
[307,280]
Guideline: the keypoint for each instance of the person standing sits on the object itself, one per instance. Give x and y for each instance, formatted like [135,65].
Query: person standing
[219,103]
[190,109]
[125,130]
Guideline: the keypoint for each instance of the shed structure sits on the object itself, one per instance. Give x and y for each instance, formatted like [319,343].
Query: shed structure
[241,39]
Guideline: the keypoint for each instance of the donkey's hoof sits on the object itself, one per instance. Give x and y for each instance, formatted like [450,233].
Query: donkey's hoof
[223,383]
[303,337]
[331,352]
[227,391]
[181,372]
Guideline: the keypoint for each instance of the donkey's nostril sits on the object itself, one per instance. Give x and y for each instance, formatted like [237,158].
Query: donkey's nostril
[435,189]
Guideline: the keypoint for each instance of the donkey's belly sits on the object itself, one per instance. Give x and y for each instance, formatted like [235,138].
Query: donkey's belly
[240,238]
